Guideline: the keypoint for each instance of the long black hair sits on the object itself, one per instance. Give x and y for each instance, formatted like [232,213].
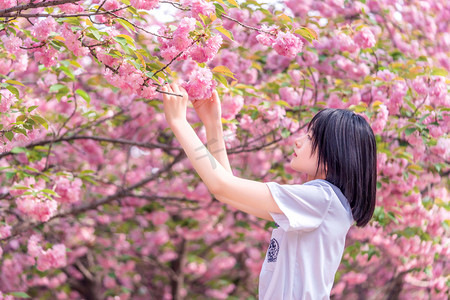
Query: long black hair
[346,147]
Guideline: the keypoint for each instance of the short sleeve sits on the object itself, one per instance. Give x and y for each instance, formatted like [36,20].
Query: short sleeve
[304,206]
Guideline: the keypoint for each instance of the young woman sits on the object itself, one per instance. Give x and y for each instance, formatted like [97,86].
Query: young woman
[339,155]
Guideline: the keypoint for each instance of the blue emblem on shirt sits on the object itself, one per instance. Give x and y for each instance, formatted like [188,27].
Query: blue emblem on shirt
[272,252]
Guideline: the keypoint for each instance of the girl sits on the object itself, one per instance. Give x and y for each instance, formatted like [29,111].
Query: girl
[339,155]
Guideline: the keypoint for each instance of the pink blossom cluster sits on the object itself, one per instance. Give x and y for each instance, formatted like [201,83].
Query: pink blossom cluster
[107,59]
[365,38]
[381,119]
[19,60]
[398,92]
[180,41]
[68,190]
[200,84]
[130,80]
[285,43]
[46,55]
[144,4]
[205,52]
[267,35]
[71,8]
[159,217]
[42,29]
[6,297]
[5,231]
[5,66]
[223,293]
[7,4]
[6,100]
[199,7]
[420,85]
[231,106]
[54,257]
[12,43]
[72,42]
[307,59]
[37,207]
[438,91]
[345,43]
[290,95]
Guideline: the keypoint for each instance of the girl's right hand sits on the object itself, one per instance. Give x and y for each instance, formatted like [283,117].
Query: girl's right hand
[209,110]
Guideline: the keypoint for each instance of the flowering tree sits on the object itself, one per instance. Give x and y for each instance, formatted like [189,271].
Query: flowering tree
[98,200]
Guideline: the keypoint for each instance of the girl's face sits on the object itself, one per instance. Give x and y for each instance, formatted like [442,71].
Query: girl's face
[304,160]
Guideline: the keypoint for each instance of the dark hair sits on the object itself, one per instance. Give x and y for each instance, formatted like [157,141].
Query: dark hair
[346,147]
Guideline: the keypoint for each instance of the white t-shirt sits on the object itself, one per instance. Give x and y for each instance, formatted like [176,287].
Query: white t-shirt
[306,249]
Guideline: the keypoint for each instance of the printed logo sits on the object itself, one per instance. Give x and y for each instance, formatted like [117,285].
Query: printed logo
[272,252]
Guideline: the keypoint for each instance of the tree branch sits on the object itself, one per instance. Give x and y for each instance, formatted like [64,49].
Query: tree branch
[3,12]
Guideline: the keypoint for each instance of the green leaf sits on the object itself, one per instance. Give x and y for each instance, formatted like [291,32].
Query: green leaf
[10,175]
[31,169]
[224,70]
[126,25]
[225,32]
[20,130]
[19,294]
[20,187]
[14,82]
[72,20]
[67,71]
[219,10]
[51,192]
[56,87]
[84,95]
[233,3]
[221,79]
[16,150]
[9,135]
[95,32]
[409,131]
[13,90]
[285,133]
[21,118]
[307,33]
[40,120]
[31,108]
[439,72]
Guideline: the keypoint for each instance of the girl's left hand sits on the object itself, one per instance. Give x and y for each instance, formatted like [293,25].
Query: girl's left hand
[174,106]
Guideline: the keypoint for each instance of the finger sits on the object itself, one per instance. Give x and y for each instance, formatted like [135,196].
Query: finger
[215,96]
[169,88]
[175,88]
[183,91]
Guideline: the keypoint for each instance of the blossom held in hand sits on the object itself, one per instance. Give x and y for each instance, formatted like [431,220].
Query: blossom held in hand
[200,84]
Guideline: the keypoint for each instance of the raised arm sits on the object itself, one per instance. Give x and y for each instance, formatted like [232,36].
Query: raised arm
[246,195]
